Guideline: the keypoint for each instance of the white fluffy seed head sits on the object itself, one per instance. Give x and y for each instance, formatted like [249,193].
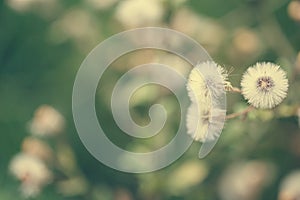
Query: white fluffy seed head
[204,118]
[264,85]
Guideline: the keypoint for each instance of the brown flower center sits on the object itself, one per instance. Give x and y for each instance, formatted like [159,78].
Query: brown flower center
[265,83]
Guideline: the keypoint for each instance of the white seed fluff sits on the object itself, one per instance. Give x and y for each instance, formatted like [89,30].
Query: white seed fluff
[204,117]
[264,85]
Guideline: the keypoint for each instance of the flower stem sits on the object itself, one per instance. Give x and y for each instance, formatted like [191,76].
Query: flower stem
[237,114]
[235,89]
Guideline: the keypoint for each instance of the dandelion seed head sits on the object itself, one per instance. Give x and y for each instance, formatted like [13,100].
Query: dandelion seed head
[204,119]
[264,85]
[198,121]
[201,86]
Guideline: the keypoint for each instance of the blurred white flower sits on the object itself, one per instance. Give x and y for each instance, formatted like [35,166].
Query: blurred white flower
[46,121]
[245,180]
[32,173]
[77,25]
[204,117]
[204,122]
[294,10]
[290,187]
[137,13]
[204,29]
[20,5]
[37,148]
[185,176]
[264,85]
[245,43]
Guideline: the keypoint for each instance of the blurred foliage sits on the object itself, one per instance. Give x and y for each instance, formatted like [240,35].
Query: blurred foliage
[43,42]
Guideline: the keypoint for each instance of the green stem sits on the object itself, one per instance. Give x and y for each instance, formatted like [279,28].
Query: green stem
[237,114]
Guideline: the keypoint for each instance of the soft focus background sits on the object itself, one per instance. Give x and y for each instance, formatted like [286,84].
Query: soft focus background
[42,44]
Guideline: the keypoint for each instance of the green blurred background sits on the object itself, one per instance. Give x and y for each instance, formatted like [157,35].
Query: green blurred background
[42,44]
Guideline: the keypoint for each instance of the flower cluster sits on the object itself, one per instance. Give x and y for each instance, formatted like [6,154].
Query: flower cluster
[32,166]
[263,85]
[204,117]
